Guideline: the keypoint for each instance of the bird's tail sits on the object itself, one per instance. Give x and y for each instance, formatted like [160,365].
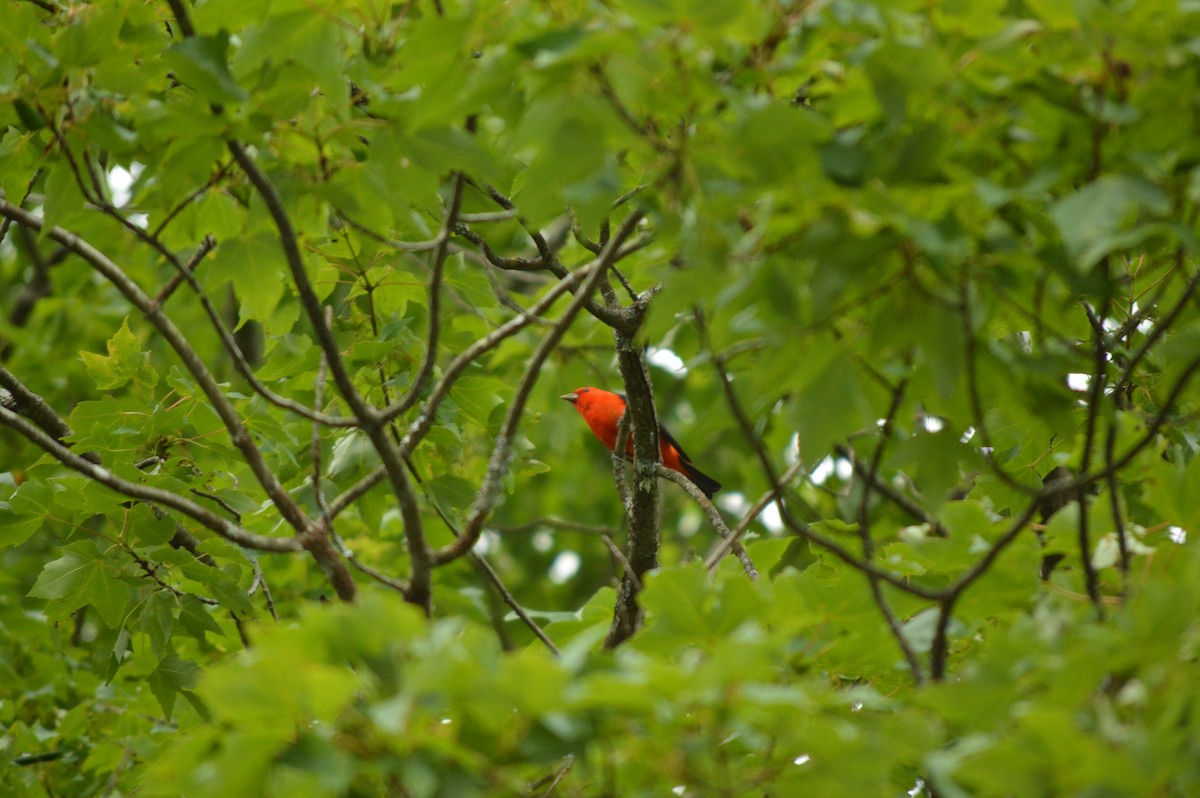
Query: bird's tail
[707,485]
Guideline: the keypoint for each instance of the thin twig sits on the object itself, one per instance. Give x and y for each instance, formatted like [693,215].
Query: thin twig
[1095,397]
[419,380]
[725,544]
[400,246]
[868,543]
[1114,495]
[557,523]
[883,488]
[190,198]
[623,561]
[714,516]
[973,393]
[206,245]
[948,597]
[619,457]
[450,374]
[260,581]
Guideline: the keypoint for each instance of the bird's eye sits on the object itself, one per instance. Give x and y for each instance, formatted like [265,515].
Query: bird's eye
[585,390]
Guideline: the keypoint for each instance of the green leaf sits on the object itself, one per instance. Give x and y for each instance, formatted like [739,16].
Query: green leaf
[476,397]
[202,63]
[196,617]
[352,454]
[677,599]
[1095,220]
[254,265]
[124,363]
[171,677]
[83,577]
[23,515]
[936,462]
[832,405]
[221,584]
[452,491]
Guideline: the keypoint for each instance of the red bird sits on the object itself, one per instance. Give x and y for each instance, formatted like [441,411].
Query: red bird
[602,411]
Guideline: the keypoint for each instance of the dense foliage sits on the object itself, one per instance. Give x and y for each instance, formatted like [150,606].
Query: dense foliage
[289,504]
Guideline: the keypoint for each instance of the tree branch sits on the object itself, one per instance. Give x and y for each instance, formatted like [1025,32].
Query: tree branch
[238,433]
[948,597]
[133,490]
[642,506]
[724,546]
[1095,398]
[868,543]
[498,464]
[435,303]
[714,517]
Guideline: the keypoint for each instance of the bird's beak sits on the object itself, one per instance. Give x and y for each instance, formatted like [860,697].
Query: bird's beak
[570,397]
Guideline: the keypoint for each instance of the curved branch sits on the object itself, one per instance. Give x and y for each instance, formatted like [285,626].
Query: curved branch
[714,517]
[424,422]
[723,547]
[34,407]
[226,529]
[435,301]
[948,598]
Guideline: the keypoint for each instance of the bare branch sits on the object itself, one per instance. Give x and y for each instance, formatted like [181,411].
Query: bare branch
[455,369]
[400,246]
[748,431]
[308,297]
[493,216]
[548,261]
[435,303]
[32,406]
[1160,327]
[642,508]
[484,567]
[1095,398]
[513,604]
[972,368]
[726,544]
[557,523]
[499,261]
[207,244]
[618,461]
[714,516]
[39,286]
[621,559]
[424,422]
[883,488]
[868,543]
[179,11]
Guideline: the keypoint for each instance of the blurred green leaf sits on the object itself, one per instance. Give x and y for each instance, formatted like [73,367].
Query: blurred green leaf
[1096,219]
[202,63]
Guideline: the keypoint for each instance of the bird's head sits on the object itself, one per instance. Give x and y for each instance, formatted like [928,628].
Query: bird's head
[574,396]
[596,400]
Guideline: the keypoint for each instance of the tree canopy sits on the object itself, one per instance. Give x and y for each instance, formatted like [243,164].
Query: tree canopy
[289,502]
